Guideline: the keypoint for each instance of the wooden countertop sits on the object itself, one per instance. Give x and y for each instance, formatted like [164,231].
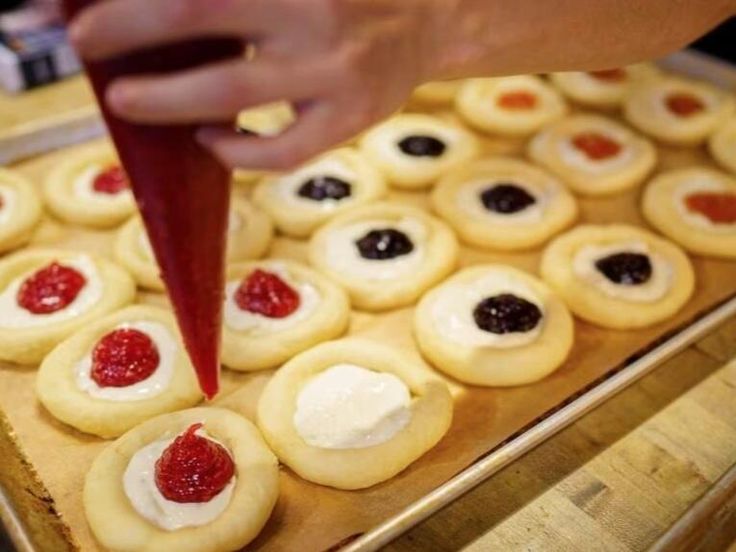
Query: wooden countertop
[615,480]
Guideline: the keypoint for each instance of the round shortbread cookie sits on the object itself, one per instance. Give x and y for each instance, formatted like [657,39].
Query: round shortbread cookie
[722,145]
[20,210]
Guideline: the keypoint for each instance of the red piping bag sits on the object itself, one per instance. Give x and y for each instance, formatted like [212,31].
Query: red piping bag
[183,195]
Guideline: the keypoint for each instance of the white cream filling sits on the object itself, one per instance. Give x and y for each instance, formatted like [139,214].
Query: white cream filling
[13,316]
[469,200]
[658,103]
[84,188]
[140,487]
[344,256]
[254,323]
[579,160]
[152,386]
[286,188]
[701,184]
[652,290]
[452,310]
[350,407]
[8,199]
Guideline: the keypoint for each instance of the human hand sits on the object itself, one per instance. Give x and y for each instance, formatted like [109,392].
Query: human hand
[344,64]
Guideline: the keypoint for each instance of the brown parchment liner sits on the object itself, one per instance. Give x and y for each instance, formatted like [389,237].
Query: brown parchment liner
[309,517]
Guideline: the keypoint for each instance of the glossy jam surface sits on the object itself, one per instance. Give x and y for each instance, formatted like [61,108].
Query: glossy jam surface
[506,313]
[596,146]
[628,269]
[50,289]
[321,188]
[111,181]
[264,293]
[183,193]
[123,357]
[609,75]
[717,207]
[683,104]
[422,146]
[521,100]
[193,468]
[383,244]
[506,198]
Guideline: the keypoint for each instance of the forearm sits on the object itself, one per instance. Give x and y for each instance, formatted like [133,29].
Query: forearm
[486,37]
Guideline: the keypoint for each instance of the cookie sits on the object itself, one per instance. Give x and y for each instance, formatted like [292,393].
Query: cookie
[504,204]
[593,155]
[385,255]
[117,372]
[618,276]
[493,325]
[414,150]
[722,145]
[352,413]
[695,207]
[511,106]
[275,309]
[20,210]
[301,201]
[193,480]
[436,93]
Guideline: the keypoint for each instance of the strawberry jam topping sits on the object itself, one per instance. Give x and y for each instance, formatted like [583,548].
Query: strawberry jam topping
[265,293]
[193,468]
[596,146]
[609,75]
[111,181]
[50,289]
[517,99]
[683,104]
[717,207]
[123,357]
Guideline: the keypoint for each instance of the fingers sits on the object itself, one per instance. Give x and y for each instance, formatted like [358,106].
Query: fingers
[117,26]
[317,129]
[216,92]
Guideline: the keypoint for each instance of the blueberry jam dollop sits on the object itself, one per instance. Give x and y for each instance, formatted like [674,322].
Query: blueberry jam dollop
[506,313]
[506,198]
[627,269]
[383,244]
[422,146]
[321,188]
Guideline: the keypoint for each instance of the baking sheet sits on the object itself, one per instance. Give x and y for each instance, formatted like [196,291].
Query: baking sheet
[310,517]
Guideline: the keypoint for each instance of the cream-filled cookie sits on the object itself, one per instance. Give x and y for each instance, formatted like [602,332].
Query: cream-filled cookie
[678,111]
[197,480]
[695,207]
[20,210]
[301,201]
[249,236]
[436,93]
[504,203]
[414,150]
[275,309]
[593,155]
[89,187]
[117,372]
[604,89]
[352,413]
[494,325]
[47,295]
[722,145]
[513,106]
[384,254]
[618,276]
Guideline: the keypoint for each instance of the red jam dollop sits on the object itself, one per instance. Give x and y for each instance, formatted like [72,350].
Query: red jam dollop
[193,468]
[518,99]
[50,289]
[265,293]
[123,357]
[609,75]
[717,207]
[683,104]
[596,146]
[111,181]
